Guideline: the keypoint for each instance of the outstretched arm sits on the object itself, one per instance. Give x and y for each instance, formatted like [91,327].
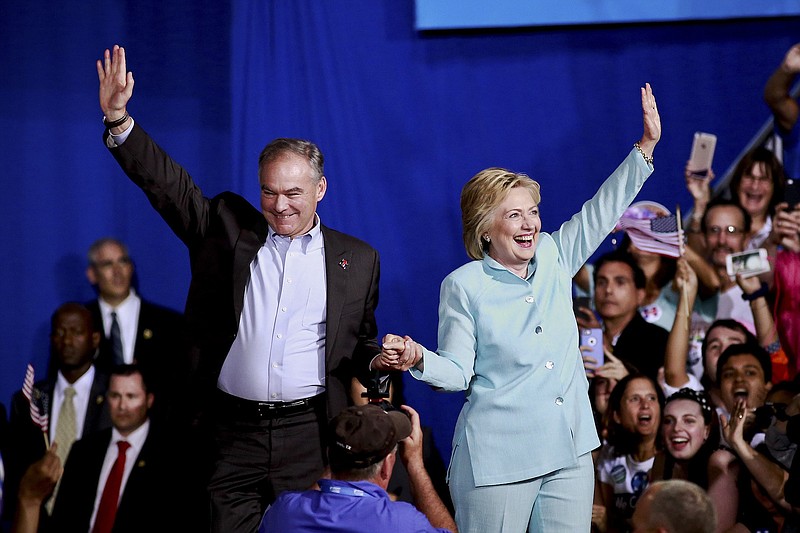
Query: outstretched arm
[776,91]
[116,88]
[677,350]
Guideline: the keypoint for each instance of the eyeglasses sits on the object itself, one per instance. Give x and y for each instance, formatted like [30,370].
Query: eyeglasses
[730,230]
[756,179]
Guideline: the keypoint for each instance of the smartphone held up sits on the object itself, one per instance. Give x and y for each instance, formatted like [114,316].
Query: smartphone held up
[703,146]
[749,263]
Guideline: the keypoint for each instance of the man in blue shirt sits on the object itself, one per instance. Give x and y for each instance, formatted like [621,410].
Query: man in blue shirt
[363,449]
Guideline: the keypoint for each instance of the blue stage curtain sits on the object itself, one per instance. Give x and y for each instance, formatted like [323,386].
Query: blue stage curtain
[404,119]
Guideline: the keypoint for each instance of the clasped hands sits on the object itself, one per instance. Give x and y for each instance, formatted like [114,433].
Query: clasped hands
[397,353]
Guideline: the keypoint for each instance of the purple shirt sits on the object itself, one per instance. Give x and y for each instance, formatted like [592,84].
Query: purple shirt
[346,506]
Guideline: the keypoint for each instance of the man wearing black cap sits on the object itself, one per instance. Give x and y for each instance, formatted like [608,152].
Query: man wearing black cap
[363,448]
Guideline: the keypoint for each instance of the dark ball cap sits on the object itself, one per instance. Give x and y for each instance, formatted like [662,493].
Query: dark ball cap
[361,436]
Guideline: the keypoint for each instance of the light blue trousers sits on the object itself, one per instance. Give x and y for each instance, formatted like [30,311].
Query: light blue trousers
[558,502]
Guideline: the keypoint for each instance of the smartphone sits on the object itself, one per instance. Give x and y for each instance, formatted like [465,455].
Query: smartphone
[791,194]
[593,338]
[748,264]
[702,154]
[581,301]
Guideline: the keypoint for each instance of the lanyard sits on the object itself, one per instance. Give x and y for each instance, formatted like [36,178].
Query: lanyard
[347,491]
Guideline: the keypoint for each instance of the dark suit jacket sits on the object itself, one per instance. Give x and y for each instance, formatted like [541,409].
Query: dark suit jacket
[223,235]
[26,444]
[158,335]
[160,351]
[151,499]
[642,345]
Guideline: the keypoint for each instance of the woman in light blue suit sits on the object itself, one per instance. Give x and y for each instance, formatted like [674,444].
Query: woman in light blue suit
[507,335]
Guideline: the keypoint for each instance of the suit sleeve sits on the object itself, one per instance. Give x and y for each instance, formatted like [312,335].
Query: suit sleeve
[167,185]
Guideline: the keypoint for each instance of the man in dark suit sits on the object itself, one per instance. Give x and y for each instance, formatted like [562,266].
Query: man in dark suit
[280,311]
[151,489]
[134,329]
[73,344]
[618,292]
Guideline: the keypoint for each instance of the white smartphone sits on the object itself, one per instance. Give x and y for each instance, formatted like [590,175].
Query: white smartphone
[593,338]
[748,264]
[702,154]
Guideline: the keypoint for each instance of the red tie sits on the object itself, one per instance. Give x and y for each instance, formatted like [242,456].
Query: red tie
[107,510]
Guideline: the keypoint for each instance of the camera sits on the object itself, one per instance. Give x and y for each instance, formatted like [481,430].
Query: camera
[377,392]
[767,412]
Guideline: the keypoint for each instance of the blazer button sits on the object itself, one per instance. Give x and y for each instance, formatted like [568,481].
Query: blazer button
[549,365]
[559,400]
[529,299]
[538,330]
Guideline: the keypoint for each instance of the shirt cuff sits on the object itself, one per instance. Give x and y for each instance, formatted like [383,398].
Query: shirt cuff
[114,141]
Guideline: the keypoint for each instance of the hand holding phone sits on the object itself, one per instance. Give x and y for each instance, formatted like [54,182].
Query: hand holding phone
[579,303]
[749,263]
[591,344]
[702,155]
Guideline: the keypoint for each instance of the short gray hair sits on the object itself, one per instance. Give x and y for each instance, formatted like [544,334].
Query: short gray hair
[681,506]
[305,149]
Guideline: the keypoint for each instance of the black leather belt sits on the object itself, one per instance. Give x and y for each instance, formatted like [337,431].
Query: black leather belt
[267,410]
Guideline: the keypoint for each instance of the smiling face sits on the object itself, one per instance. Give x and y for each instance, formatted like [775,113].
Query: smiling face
[514,231]
[756,189]
[742,378]
[684,428]
[717,340]
[289,194]
[724,233]
[639,411]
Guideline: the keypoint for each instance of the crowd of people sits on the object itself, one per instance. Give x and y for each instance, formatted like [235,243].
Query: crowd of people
[270,404]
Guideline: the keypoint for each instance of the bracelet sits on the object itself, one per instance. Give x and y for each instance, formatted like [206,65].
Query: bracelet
[116,123]
[762,291]
[648,160]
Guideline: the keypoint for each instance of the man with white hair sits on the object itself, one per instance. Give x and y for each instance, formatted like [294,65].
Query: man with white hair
[674,506]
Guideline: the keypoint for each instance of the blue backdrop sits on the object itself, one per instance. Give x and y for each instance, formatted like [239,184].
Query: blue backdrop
[404,119]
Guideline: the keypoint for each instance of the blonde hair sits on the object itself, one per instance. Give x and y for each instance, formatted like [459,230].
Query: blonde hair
[481,195]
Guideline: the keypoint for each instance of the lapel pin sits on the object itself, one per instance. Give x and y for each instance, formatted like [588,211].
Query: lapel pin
[147,334]
[344,264]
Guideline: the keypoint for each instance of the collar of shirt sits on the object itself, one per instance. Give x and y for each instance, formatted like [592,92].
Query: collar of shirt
[308,242]
[347,488]
[128,308]
[135,439]
[82,386]
[495,265]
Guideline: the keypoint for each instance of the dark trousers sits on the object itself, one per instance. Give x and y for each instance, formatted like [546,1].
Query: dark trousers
[260,455]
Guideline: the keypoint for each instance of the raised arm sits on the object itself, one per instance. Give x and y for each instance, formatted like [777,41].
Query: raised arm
[36,485]
[776,91]
[677,350]
[424,494]
[116,89]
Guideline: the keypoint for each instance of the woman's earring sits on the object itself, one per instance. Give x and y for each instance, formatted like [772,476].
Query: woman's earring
[487,238]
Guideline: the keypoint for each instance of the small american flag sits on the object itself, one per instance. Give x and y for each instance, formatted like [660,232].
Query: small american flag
[659,235]
[38,415]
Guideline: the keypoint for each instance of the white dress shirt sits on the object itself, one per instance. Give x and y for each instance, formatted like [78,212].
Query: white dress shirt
[136,440]
[128,319]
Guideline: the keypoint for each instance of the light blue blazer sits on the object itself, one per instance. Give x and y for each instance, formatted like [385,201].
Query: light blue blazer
[512,344]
